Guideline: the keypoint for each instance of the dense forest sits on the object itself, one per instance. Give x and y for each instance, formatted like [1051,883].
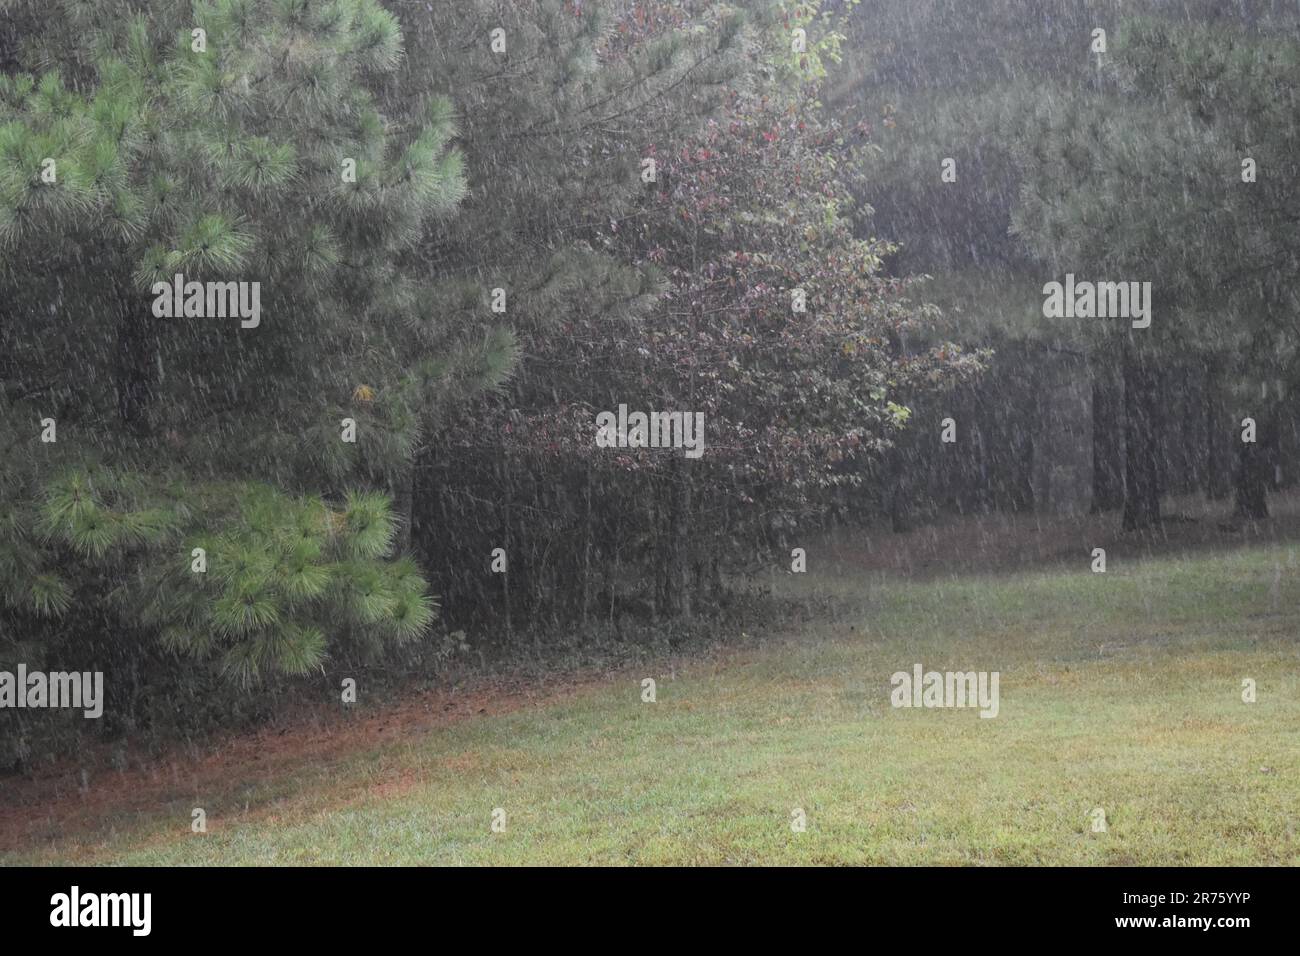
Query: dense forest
[446,238]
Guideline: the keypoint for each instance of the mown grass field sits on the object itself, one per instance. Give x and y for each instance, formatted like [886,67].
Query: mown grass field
[1120,690]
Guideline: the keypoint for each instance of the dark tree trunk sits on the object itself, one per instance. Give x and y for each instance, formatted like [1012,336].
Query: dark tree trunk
[426,499]
[1158,429]
[1142,473]
[1252,479]
[404,506]
[506,542]
[1180,448]
[8,363]
[1107,441]
[981,492]
[134,373]
[659,601]
[678,568]
[1216,425]
[1271,437]
[1023,436]
[586,546]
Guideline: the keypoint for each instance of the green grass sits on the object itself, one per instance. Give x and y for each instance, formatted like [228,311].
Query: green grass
[1119,690]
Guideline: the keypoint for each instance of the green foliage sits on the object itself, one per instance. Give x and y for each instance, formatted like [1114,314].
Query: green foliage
[672,295]
[1143,179]
[224,161]
[803,708]
[380,178]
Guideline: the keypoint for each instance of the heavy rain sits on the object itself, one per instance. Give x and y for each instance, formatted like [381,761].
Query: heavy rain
[654,433]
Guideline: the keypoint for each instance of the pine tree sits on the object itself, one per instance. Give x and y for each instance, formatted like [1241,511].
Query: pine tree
[559,103]
[232,141]
[1145,181]
[976,86]
[607,272]
[1242,97]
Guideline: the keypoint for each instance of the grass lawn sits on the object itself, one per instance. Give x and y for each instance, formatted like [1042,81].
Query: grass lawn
[1120,690]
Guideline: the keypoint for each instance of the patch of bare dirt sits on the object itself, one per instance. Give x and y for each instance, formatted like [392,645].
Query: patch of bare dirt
[65,799]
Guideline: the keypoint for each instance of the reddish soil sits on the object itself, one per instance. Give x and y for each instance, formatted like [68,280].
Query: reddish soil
[62,800]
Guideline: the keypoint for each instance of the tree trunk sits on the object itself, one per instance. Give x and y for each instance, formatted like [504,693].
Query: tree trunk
[661,528]
[1271,438]
[586,547]
[679,567]
[134,373]
[899,492]
[404,505]
[1107,441]
[1216,464]
[1141,470]
[506,544]
[1252,479]
[1158,428]
[981,497]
